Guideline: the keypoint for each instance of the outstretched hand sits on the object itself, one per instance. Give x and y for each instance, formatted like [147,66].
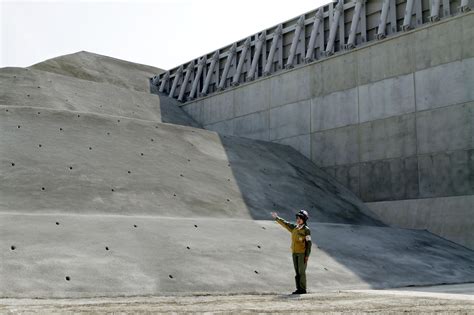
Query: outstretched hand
[306,259]
[274,214]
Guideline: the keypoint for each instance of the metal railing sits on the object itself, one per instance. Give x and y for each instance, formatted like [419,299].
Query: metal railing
[338,26]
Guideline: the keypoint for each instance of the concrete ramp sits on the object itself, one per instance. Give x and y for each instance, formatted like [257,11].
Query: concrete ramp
[101,197]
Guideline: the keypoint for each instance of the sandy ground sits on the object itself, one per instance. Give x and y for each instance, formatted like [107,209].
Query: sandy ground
[353,302]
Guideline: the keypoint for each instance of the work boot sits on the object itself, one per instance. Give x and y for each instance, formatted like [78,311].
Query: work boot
[298,291]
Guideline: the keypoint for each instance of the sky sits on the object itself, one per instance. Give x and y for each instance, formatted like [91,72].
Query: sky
[160,33]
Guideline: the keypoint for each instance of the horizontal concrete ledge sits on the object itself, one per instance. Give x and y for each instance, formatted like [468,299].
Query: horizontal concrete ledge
[449,217]
[90,256]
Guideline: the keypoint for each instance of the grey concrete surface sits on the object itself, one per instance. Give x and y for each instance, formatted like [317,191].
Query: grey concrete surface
[446,84]
[386,98]
[388,138]
[334,110]
[223,256]
[406,98]
[389,179]
[35,88]
[290,120]
[98,68]
[183,169]
[449,217]
[113,201]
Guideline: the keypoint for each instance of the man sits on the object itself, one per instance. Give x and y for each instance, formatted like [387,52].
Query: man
[300,246]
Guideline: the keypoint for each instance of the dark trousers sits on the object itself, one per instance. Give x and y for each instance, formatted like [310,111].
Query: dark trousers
[300,270]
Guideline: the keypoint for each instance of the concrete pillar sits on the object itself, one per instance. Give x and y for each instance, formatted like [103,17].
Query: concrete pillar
[332,32]
[214,60]
[177,76]
[163,82]
[256,56]
[201,64]
[238,71]
[464,6]
[294,43]
[434,10]
[355,22]
[408,15]
[230,56]
[383,19]
[189,69]
[271,54]
[314,32]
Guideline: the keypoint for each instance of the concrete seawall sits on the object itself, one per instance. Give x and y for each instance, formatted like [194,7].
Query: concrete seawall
[392,120]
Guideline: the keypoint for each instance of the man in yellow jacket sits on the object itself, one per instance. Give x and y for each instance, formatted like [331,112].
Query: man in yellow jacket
[300,246]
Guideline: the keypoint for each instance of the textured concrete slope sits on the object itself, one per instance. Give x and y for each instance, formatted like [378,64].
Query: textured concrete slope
[156,169]
[27,87]
[99,68]
[102,191]
[117,255]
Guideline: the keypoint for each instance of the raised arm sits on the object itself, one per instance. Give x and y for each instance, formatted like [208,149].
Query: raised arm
[287,225]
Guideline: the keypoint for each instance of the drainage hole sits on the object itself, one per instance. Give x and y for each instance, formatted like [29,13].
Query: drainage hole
[141,154]
[39,145]
[106,248]
[171,276]
[13,164]
[78,115]
[188,247]
[68,278]
[42,188]
[90,148]
[255,271]
[113,189]
[135,225]
[60,129]
[263,228]
[13,247]
[181,175]
[195,226]
[259,246]
[108,133]
[228,200]
[152,139]
[70,167]
[19,126]
[118,120]
[57,223]
[129,172]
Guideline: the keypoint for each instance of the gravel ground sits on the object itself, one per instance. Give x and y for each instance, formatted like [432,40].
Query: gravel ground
[320,302]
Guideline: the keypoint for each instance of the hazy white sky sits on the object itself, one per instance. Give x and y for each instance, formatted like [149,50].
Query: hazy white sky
[161,33]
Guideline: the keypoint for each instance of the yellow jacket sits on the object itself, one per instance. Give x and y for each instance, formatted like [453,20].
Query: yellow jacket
[300,236]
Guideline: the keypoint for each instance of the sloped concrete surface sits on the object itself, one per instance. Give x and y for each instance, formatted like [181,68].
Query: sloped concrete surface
[74,162]
[33,88]
[98,68]
[114,201]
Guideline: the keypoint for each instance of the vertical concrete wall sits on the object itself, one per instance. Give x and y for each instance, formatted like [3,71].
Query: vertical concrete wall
[392,120]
